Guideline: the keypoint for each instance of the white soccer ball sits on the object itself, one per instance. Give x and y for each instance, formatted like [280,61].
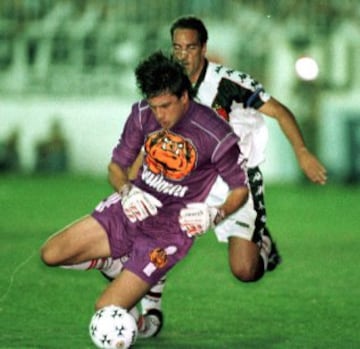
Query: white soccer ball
[113,327]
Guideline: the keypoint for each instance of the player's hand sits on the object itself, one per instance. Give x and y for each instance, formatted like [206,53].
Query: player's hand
[312,167]
[196,218]
[139,205]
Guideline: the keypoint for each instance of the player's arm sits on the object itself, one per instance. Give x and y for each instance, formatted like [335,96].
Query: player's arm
[134,169]
[118,177]
[235,200]
[308,162]
[232,168]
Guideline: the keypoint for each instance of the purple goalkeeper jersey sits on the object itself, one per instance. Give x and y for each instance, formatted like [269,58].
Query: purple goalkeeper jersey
[180,166]
[182,163]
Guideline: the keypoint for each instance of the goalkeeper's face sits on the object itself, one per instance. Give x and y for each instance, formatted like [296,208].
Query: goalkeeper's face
[168,109]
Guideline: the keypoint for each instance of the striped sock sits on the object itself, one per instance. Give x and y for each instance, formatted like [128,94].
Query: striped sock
[99,263]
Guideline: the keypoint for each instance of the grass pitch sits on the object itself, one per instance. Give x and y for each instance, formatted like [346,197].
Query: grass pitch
[311,301]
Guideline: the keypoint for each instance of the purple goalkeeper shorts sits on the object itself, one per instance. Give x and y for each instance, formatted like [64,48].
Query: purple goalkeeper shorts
[152,247]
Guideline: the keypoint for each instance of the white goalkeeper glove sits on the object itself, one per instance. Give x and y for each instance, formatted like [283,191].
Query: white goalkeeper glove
[196,218]
[137,204]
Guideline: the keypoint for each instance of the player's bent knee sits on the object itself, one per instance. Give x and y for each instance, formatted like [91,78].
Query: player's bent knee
[246,273]
[48,257]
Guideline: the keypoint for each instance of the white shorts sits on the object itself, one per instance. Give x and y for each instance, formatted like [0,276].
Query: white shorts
[241,223]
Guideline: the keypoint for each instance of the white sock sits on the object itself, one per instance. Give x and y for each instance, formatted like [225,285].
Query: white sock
[152,300]
[135,313]
[113,270]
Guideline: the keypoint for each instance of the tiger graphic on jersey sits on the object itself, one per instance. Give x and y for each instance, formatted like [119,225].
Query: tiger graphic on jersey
[170,154]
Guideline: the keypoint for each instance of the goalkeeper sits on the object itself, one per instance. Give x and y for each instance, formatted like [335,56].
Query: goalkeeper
[150,222]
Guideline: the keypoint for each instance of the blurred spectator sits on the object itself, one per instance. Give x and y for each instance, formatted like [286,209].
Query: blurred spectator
[52,153]
[9,153]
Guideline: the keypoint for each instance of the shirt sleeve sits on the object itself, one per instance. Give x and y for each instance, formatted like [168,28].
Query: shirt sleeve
[232,168]
[241,88]
[131,140]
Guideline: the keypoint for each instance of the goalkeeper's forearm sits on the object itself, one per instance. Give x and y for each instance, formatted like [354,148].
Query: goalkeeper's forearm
[117,176]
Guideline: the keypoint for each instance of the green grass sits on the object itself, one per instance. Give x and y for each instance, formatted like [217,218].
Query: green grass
[311,301]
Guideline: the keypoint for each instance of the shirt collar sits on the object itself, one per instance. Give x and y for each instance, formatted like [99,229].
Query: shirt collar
[201,77]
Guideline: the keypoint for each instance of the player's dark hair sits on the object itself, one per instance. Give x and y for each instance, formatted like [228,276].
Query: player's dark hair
[159,74]
[190,22]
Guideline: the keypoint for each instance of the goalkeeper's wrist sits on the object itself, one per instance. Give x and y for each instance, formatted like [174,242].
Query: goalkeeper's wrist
[124,189]
[220,216]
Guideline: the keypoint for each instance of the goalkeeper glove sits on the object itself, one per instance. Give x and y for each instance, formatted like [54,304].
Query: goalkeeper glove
[137,204]
[196,218]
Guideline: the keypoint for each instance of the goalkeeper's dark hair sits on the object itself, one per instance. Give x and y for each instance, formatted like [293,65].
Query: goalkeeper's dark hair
[191,22]
[159,74]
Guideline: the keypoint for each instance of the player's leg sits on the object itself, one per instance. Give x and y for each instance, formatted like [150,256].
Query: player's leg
[153,298]
[262,236]
[245,261]
[251,248]
[238,230]
[106,214]
[124,291]
[81,241]
[151,319]
[151,307]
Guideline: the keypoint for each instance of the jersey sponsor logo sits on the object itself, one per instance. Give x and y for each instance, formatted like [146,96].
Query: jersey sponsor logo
[170,154]
[161,185]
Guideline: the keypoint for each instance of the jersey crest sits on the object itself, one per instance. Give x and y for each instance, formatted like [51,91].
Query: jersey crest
[170,154]
[221,111]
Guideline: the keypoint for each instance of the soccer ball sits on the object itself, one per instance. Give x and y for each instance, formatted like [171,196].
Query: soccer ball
[113,327]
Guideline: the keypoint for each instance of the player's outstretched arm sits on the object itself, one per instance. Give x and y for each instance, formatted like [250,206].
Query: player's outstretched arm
[308,162]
